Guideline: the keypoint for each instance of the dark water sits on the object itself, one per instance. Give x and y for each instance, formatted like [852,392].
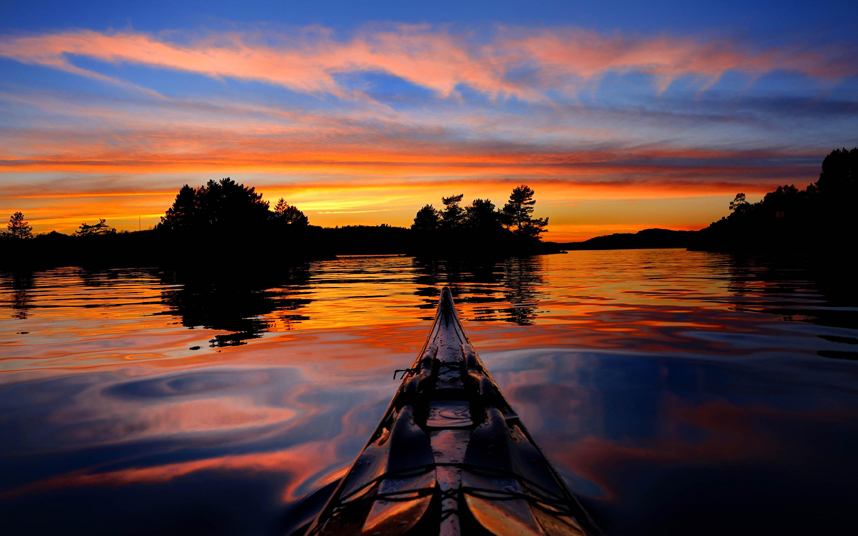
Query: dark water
[677,392]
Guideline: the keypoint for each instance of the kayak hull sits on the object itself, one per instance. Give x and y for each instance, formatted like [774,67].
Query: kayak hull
[451,457]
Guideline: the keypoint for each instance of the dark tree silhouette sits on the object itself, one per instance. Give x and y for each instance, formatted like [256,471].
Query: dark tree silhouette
[837,190]
[224,217]
[480,229]
[839,177]
[228,203]
[289,215]
[17,228]
[822,216]
[739,203]
[427,219]
[533,229]
[224,204]
[517,214]
[785,203]
[185,210]
[97,229]
[452,215]
[481,215]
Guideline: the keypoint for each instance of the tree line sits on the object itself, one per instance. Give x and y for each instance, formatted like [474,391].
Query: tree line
[822,215]
[225,223]
[19,229]
[215,206]
[226,204]
[481,216]
[220,225]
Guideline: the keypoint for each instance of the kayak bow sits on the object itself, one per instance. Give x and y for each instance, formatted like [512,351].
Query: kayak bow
[451,457]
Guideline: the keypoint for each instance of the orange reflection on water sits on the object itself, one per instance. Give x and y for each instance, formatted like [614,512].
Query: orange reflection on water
[76,317]
[128,377]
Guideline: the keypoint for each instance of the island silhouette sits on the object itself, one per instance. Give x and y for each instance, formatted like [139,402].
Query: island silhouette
[227,225]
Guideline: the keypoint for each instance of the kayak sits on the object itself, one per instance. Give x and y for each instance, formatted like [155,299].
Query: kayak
[451,457]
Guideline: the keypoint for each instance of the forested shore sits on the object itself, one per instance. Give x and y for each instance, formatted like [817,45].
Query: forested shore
[822,218]
[226,225]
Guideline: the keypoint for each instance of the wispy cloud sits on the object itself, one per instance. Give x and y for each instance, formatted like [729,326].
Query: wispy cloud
[430,57]
[378,121]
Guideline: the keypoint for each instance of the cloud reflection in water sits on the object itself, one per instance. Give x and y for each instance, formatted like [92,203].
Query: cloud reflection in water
[668,387]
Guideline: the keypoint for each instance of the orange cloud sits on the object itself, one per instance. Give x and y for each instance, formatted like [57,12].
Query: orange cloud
[70,158]
[427,56]
[586,54]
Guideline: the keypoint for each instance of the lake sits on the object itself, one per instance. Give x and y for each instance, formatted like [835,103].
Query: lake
[676,392]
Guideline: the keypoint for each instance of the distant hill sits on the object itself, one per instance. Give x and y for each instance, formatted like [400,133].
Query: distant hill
[646,239]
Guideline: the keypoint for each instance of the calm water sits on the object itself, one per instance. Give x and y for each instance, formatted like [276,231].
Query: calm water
[677,392]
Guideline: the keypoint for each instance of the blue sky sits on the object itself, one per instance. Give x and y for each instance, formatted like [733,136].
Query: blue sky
[764,19]
[621,115]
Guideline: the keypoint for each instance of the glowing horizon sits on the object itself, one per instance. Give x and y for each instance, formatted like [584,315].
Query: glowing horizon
[616,128]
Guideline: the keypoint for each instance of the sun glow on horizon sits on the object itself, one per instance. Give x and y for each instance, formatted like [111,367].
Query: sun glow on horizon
[614,130]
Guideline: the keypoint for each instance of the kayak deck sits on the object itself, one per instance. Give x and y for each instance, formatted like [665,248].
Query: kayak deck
[451,457]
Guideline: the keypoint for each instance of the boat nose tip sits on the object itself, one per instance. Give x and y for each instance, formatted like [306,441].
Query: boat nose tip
[446,297]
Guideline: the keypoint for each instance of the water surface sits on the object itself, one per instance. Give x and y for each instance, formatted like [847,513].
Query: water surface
[676,392]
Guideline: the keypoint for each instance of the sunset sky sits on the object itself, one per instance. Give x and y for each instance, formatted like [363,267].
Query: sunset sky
[621,115]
